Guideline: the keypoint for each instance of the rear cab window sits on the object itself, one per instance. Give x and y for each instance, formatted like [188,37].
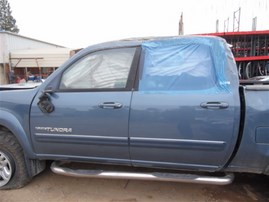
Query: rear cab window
[182,67]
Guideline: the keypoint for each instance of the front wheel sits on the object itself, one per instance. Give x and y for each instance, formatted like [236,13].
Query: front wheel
[6,169]
[13,172]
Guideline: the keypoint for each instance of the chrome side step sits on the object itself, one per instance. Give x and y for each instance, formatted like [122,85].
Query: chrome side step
[58,168]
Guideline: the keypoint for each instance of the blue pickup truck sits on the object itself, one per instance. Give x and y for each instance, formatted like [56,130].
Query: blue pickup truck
[169,108]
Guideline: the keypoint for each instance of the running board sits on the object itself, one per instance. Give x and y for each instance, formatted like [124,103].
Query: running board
[57,168]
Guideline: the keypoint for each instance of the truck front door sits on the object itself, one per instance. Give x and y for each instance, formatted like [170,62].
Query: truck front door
[91,109]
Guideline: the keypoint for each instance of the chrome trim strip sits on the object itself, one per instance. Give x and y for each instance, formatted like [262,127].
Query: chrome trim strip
[81,139]
[177,144]
[80,136]
[178,140]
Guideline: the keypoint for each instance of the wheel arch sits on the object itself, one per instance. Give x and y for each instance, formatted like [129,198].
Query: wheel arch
[9,122]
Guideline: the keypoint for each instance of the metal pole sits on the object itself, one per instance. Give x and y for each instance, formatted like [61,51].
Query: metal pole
[254,24]
[239,18]
[236,20]
[181,25]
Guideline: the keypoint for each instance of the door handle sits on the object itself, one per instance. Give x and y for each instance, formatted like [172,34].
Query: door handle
[214,105]
[110,105]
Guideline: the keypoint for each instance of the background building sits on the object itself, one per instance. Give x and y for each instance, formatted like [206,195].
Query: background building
[23,55]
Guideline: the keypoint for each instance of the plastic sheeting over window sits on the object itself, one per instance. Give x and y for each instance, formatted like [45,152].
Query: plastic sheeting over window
[184,64]
[102,69]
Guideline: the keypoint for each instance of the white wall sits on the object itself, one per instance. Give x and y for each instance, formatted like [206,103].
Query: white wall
[3,79]
[48,57]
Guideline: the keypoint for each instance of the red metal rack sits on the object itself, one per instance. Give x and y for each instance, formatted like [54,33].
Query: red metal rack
[251,51]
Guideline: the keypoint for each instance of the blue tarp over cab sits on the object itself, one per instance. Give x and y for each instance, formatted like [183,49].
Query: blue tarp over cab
[187,64]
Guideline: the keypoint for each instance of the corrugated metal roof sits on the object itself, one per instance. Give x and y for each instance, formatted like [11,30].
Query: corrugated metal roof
[29,38]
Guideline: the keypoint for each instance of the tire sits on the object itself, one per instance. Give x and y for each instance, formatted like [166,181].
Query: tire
[240,70]
[248,71]
[13,171]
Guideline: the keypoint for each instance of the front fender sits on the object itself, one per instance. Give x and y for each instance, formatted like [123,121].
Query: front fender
[10,122]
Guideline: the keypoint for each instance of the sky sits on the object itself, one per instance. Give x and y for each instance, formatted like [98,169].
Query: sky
[79,23]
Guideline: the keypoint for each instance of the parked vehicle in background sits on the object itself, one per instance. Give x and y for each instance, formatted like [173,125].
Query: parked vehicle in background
[172,105]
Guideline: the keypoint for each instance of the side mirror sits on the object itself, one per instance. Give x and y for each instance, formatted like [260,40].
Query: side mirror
[44,104]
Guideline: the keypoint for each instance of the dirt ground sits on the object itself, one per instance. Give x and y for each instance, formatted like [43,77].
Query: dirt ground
[51,187]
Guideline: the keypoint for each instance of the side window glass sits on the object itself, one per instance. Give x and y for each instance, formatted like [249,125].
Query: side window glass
[105,69]
[183,67]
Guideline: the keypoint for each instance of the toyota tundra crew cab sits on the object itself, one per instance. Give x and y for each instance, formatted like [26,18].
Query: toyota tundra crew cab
[169,108]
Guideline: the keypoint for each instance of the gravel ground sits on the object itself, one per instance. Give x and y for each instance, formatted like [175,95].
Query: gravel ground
[51,187]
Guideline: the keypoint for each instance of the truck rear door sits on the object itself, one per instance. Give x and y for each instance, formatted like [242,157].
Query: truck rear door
[185,112]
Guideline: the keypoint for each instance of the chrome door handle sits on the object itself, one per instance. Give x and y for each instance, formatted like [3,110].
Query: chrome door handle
[110,105]
[214,105]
